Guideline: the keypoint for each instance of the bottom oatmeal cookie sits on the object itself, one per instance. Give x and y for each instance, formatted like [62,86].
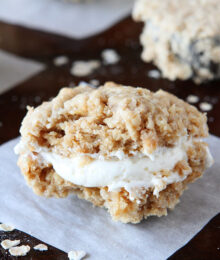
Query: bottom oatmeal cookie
[126,149]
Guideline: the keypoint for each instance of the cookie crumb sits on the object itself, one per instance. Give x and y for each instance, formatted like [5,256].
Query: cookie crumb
[205,106]
[60,60]
[76,255]
[84,68]
[192,99]
[19,250]
[41,247]
[155,74]
[7,243]
[6,228]
[110,56]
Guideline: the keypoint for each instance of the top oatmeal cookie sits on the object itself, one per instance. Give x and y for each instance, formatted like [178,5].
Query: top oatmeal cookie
[110,118]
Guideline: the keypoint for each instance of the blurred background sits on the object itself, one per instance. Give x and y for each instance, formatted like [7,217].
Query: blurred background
[74,19]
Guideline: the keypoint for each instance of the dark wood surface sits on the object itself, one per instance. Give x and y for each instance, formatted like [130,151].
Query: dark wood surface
[203,246]
[51,254]
[123,37]
[130,70]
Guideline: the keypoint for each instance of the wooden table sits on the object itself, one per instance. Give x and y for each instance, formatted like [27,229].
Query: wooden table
[124,38]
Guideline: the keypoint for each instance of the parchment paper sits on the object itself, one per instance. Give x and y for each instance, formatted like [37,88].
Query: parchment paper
[75,224]
[78,20]
[72,223]
[14,69]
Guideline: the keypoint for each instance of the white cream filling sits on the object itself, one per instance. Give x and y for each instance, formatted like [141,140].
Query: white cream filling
[131,173]
[128,173]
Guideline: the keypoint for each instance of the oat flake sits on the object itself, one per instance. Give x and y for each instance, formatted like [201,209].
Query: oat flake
[155,74]
[76,255]
[110,56]
[204,106]
[6,228]
[192,99]
[84,68]
[60,60]
[41,247]
[7,243]
[19,250]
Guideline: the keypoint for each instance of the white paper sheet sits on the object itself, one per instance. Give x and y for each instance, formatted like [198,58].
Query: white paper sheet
[78,20]
[14,69]
[72,223]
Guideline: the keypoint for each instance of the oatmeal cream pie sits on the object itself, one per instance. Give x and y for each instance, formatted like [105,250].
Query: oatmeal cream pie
[181,37]
[127,149]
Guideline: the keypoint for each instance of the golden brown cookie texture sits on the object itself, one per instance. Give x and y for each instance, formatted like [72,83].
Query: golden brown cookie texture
[111,118]
[103,121]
